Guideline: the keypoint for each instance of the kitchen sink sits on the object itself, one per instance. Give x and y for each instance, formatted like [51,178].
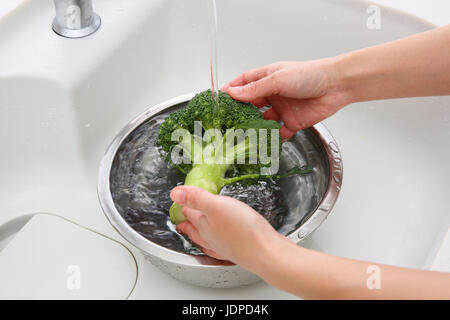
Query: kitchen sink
[62,101]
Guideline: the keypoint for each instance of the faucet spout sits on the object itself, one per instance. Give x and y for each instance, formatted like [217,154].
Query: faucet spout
[75,18]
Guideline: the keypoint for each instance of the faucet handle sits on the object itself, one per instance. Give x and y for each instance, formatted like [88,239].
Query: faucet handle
[75,18]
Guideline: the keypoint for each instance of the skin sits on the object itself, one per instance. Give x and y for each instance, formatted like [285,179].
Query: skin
[302,94]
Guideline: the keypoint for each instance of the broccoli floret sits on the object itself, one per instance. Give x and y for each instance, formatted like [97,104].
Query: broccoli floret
[228,113]
[210,161]
[176,120]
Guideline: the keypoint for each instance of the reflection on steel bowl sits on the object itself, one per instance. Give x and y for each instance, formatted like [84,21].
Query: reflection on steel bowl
[134,185]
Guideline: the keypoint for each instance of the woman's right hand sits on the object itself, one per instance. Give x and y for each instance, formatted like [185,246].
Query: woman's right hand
[300,94]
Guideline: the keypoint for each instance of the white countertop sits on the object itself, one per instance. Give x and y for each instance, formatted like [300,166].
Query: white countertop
[434,11]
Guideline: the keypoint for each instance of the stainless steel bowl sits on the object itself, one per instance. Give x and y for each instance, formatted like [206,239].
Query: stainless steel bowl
[309,199]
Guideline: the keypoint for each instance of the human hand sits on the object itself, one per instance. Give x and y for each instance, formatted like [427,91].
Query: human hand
[299,93]
[223,227]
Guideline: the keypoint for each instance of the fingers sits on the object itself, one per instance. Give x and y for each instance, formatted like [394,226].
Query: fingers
[189,229]
[252,75]
[212,253]
[272,114]
[252,91]
[197,218]
[286,134]
[259,103]
[195,198]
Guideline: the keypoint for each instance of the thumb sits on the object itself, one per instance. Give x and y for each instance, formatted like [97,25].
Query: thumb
[195,198]
[262,88]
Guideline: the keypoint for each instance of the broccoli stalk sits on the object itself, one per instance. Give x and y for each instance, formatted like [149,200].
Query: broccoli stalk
[211,160]
[217,161]
[212,178]
[207,177]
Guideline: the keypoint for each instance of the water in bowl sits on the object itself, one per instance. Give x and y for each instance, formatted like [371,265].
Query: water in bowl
[141,182]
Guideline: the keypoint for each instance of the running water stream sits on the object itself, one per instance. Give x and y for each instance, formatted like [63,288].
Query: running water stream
[213,62]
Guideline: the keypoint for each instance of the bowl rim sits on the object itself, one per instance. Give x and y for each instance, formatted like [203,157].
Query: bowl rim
[146,246]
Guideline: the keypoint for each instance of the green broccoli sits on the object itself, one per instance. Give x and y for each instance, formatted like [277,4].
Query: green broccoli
[223,150]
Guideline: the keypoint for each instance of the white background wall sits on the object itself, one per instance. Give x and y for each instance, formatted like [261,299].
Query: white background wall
[435,11]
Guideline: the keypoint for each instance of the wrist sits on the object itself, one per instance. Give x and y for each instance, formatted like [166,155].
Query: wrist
[273,258]
[340,79]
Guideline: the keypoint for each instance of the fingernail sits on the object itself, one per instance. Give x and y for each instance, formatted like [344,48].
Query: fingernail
[178,196]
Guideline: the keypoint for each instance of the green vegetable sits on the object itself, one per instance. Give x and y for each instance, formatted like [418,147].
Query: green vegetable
[216,151]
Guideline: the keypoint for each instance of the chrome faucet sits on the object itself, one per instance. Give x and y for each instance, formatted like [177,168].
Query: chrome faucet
[75,18]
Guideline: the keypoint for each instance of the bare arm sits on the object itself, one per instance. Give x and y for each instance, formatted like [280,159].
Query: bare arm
[412,67]
[226,228]
[304,93]
[315,275]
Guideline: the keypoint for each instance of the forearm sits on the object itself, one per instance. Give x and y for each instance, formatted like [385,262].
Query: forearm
[314,275]
[411,67]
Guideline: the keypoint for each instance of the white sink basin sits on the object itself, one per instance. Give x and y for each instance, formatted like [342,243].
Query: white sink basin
[62,101]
